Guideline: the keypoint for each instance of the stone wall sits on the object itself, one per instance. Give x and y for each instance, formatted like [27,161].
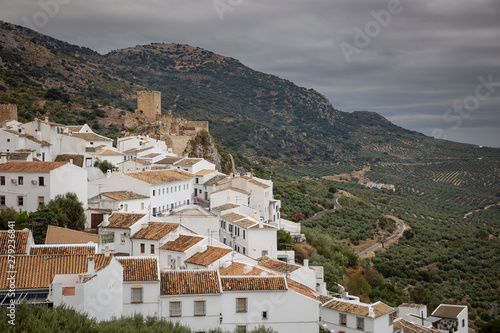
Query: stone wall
[8,112]
[149,104]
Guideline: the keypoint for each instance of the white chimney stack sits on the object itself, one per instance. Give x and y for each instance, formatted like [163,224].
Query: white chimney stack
[91,265]
[306,263]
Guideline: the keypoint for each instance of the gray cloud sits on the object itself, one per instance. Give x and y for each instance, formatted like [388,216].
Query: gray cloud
[428,57]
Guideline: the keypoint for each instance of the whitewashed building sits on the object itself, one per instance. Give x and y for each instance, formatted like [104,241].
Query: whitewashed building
[27,185]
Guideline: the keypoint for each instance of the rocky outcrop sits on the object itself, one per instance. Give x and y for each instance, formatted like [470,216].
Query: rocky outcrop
[202,145]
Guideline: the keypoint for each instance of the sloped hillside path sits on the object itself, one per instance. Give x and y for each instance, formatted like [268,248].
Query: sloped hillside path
[336,206]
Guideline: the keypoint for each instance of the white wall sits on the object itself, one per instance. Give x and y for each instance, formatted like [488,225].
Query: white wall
[150,298]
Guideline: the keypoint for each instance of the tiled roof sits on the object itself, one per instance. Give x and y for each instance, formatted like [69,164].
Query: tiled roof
[136,160]
[18,155]
[94,149]
[108,152]
[37,271]
[74,128]
[124,195]
[277,265]
[448,311]
[241,283]
[62,249]
[31,166]
[215,180]
[190,282]
[161,176]
[58,235]
[77,159]
[238,269]
[90,137]
[233,217]
[169,160]
[21,238]
[137,150]
[151,155]
[359,309]
[155,230]
[188,161]
[29,137]
[182,243]
[123,220]
[204,172]
[224,207]
[260,184]
[324,298]
[235,189]
[139,269]
[246,223]
[408,327]
[301,289]
[209,256]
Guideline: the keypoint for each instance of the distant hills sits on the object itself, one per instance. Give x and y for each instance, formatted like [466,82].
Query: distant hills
[269,119]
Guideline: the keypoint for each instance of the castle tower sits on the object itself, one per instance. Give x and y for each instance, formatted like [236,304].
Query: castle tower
[149,104]
[8,112]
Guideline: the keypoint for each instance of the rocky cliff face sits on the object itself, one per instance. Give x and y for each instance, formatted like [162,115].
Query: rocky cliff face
[202,145]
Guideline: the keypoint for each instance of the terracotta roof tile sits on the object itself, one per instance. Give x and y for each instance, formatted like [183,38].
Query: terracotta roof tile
[224,207]
[260,184]
[139,269]
[155,230]
[302,289]
[136,160]
[248,283]
[277,265]
[182,243]
[233,217]
[108,152]
[169,160]
[161,176]
[360,309]
[62,249]
[204,172]
[238,269]
[448,311]
[58,235]
[31,166]
[123,220]
[215,180]
[246,223]
[190,282]
[36,271]
[151,155]
[94,149]
[124,195]
[188,161]
[90,136]
[21,242]
[235,189]
[209,256]
[408,327]
[77,159]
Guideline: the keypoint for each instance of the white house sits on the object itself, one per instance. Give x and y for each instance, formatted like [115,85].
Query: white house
[98,291]
[404,326]
[174,252]
[134,165]
[301,274]
[116,230]
[352,316]
[123,201]
[447,317]
[148,239]
[208,257]
[108,154]
[139,142]
[249,236]
[201,177]
[167,189]
[194,165]
[27,185]
[141,285]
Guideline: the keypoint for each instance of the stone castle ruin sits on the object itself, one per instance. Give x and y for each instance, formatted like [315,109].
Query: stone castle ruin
[8,112]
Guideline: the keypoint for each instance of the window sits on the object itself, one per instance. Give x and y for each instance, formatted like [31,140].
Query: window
[20,200]
[360,323]
[243,234]
[122,238]
[197,180]
[241,305]
[2,180]
[136,296]
[20,180]
[264,314]
[41,201]
[8,140]
[175,309]
[241,328]
[152,249]
[154,191]
[41,181]
[230,228]
[125,207]
[143,248]
[2,200]
[244,252]
[199,308]
[343,319]
[463,322]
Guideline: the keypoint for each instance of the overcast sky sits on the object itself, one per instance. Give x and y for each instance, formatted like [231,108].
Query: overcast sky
[429,65]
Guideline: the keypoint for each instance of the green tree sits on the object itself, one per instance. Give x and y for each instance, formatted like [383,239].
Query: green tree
[491,327]
[6,215]
[69,211]
[358,285]
[104,166]
[284,238]
[38,221]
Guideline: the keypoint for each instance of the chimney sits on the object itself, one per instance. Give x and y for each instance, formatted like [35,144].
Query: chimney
[46,119]
[247,269]
[306,263]
[371,312]
[105,220]
[203,248]
[91,264]
[71,161]
[226,264]
[106,250]
[261,223]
